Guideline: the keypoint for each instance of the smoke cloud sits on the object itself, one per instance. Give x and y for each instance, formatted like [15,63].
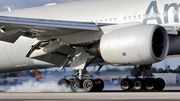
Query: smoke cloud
[31,86]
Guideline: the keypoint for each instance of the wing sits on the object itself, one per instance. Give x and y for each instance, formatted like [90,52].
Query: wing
[13,27]
[47,49]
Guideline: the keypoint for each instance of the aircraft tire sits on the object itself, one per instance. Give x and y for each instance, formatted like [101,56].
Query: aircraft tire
[99,85]
[126,84]
[88,85]
[160,84]
[150,84]
[75,84]
[63,82]
[138,84]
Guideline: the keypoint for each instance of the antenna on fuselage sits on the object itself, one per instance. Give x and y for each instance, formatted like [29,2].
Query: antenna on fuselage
[9,9]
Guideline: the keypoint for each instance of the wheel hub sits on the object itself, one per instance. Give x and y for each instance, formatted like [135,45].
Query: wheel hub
[75,85]
[137,85]
[125,85]
[150,85]
[88,85]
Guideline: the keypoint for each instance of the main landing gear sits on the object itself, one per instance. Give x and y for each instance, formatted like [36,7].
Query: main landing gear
[87,83]
[145,82]
[80,80]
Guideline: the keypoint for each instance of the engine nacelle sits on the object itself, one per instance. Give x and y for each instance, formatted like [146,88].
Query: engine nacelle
[135,45]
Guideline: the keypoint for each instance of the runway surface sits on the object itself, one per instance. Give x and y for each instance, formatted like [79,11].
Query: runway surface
[110,93]
[109,96]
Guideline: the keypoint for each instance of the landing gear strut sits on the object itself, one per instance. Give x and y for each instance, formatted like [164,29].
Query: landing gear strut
[142,81]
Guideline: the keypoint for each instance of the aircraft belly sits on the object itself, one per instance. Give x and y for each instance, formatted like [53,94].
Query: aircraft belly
[12,58]
[16,56]
[4,60]
[5,64]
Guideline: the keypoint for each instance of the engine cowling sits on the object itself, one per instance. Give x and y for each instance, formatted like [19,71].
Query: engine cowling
[135,45]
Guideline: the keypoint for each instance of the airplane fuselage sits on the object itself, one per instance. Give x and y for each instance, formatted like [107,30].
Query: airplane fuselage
[116,11]
[163,12]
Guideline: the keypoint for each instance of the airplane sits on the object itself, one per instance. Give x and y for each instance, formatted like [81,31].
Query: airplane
[93,32]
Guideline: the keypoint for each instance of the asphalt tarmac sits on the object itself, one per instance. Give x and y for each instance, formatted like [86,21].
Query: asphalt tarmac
[101,96]
[109,94]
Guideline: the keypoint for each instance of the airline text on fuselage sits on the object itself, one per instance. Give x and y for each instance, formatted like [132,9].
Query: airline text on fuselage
[153,6]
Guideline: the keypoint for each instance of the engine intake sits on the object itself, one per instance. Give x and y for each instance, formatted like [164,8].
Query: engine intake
[135,45]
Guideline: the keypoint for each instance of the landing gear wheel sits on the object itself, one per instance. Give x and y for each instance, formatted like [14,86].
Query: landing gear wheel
[138,84]
[150,84]
[160,84]
[75,85]
[63,82]
[99,85]
[88,85]
[126,84]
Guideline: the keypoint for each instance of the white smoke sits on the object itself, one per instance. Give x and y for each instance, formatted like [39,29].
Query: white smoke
[31,86]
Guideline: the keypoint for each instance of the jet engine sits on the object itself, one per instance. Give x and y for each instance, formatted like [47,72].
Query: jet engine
[135,45]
